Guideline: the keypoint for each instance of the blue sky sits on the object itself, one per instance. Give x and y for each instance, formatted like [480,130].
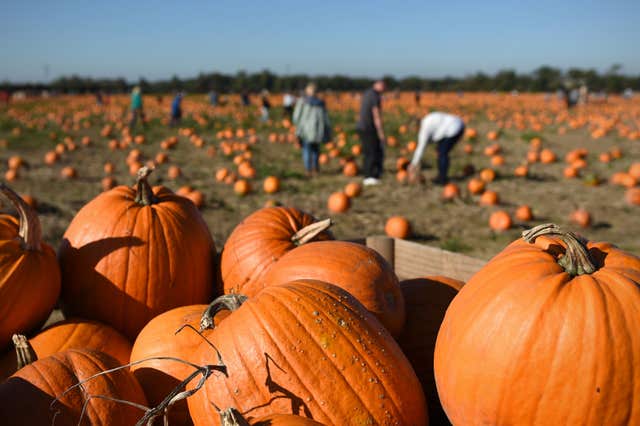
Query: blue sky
[157,39]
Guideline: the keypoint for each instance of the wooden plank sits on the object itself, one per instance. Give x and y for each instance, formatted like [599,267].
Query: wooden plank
[383,245]
[414,260]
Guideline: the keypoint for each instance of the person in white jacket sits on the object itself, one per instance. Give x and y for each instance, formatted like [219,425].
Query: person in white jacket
[443,129]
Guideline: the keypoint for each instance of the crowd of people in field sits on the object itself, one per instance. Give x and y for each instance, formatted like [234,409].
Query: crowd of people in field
[308,113]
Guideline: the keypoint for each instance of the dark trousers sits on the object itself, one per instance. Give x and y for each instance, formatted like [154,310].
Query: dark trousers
[310,154]
[373,154]
[444,147]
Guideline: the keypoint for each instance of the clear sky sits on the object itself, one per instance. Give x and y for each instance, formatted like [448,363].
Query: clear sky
[157,39]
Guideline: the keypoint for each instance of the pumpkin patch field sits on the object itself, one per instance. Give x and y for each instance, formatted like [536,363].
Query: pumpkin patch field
[198,276]
[524,150]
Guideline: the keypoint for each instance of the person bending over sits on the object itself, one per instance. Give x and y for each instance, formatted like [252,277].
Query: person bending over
[443,129]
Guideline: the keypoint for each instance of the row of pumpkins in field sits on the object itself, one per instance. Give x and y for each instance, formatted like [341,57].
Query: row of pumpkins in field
[303,326]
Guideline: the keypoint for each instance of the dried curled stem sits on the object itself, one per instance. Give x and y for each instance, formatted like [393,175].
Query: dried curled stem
[232,417]
[309,232]
[24,351]
[144,192]
[30,231]
[230,302]
[576,260]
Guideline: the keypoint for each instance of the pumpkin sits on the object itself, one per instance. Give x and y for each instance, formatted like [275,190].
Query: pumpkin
[632,196]
[311,349]
[581,217]
[338,202]
[73,334]
[353,189]
[489,198]
[500,221]
[476,186]
[552,334]
[524,213]
[29,269]
[426,301]
[488,175]
[353,267]
[159,339]
[28,396]
[262,238]
[271,185]
[397,227]
[350,169]
[68,172]
[450,191]
[242,187]
[133,253]
[547,156]
[174,172]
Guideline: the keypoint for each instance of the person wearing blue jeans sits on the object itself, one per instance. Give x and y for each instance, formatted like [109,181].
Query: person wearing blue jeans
[310,154]
[445,130]
[312,127]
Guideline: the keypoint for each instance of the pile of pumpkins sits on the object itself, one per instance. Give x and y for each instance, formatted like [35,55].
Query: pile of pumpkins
[289,326]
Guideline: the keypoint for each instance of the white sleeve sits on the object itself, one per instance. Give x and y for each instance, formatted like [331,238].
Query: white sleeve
[423,140]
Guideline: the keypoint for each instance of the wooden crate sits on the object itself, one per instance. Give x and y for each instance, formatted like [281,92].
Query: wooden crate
[413,260]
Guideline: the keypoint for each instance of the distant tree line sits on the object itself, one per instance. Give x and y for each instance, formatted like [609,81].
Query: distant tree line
[543,79]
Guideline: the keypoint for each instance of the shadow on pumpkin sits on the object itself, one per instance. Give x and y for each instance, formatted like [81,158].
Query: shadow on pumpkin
[426,302]
[25,404]
[100,298]
[298,406]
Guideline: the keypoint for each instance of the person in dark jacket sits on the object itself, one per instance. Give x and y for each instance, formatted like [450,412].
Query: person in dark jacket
[371,130]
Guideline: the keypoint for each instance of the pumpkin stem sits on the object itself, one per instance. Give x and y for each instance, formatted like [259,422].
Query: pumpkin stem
[576,259]
[230,302]
[144,193]
[232,417]
[24,351]
[30,231]
[309,232]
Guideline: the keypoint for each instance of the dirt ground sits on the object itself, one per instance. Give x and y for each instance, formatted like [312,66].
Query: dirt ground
[461,225]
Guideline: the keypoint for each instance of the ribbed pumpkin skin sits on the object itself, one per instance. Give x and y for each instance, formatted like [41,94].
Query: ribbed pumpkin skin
[524,343]
[124,263]
[159,377]
[25,397]
[73,334]
[354,267]
[257,243]
[9,226]
[426,301]
[326,356]
[29,287]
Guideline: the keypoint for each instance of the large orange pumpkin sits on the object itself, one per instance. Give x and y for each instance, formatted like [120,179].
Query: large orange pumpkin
[354,267]
[159,339]
[311,349]
[133,253]
[73,334]
[30,282]
[262,238]
[549,341]
[28,396]
[426,301]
